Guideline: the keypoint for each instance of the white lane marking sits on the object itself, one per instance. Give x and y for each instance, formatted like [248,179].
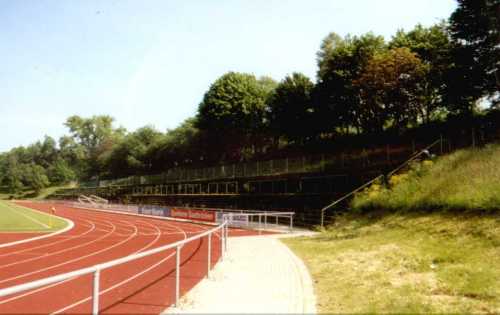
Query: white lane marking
[61,264]
[70,225]
[70,279]
[52,253]
[92,227]
[119,283]
[69,238]
[123,282]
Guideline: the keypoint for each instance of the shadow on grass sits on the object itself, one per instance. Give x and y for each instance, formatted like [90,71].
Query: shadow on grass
[352,225]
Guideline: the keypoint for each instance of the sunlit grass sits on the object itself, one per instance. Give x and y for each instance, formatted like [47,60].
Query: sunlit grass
[464,180]
[402,263]
[14,218]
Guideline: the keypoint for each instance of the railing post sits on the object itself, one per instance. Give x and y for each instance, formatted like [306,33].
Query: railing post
[226,232]
[291,222]
[322,218]
[177,274]
[473,138]
[265,221]
[222,251]
[209,254]
[441,144]
[95,293]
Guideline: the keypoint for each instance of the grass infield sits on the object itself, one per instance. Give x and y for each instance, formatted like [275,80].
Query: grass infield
[16,219]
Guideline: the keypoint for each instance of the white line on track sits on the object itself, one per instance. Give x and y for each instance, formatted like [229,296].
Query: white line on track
[68,261]
[119,283]
[70,279]
[91,226]
[69,226]
[56,252]
[124,281]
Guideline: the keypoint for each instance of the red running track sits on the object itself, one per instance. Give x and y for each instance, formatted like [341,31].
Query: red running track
[8,237]
[144,286]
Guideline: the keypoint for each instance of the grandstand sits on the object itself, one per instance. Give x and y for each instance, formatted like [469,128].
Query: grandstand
[301,184]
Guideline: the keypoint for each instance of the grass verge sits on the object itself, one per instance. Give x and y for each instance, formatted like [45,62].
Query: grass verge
[406,263]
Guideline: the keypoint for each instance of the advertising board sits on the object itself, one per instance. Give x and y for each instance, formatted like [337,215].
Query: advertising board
[193,214]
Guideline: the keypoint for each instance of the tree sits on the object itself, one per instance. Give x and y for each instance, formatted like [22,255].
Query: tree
[60,172]
[268,84]
[132,154]
[433,46]
[340,61]
[391,90]
[12,176]
[182,145]
[97,136]
[233,110]
[74,154]
[35,177]
[475,28]
[290,108]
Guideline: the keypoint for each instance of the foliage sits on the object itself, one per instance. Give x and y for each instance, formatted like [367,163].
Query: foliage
[391,90]
[291,111]
[433,46]
[464,180]
[132,154]
[236,102]
[340,62]
[61,172]
[475,27]
[34,176]
[365,89]
[96,136]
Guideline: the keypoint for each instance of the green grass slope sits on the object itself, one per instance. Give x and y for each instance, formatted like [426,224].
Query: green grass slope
[464,180]
[30,194]
[405,263]
[429,243]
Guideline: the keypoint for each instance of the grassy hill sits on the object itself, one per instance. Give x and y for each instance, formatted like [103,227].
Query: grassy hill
[30,194]
[430,243]
[464,180]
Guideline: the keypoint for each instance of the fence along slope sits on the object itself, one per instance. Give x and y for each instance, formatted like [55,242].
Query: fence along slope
[382,176]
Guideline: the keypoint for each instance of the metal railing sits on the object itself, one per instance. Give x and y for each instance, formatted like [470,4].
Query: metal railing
[301,164]
[412,158]
[259,221]
[221,213]
[96,270]
[415,156]
[346,196]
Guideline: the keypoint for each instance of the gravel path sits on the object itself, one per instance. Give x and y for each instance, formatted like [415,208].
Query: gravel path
[260,274]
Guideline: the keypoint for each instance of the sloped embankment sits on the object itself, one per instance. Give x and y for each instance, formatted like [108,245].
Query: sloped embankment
[464,180]
[428,244]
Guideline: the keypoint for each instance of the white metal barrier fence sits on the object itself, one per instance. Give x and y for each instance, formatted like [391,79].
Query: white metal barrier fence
[260,221]
[254,219]
[96,270]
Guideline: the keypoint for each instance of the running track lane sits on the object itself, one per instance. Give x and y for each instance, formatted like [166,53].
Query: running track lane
[143,286]
[7,237]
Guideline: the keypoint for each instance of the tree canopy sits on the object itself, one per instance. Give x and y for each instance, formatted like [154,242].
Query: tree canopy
[363,86]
